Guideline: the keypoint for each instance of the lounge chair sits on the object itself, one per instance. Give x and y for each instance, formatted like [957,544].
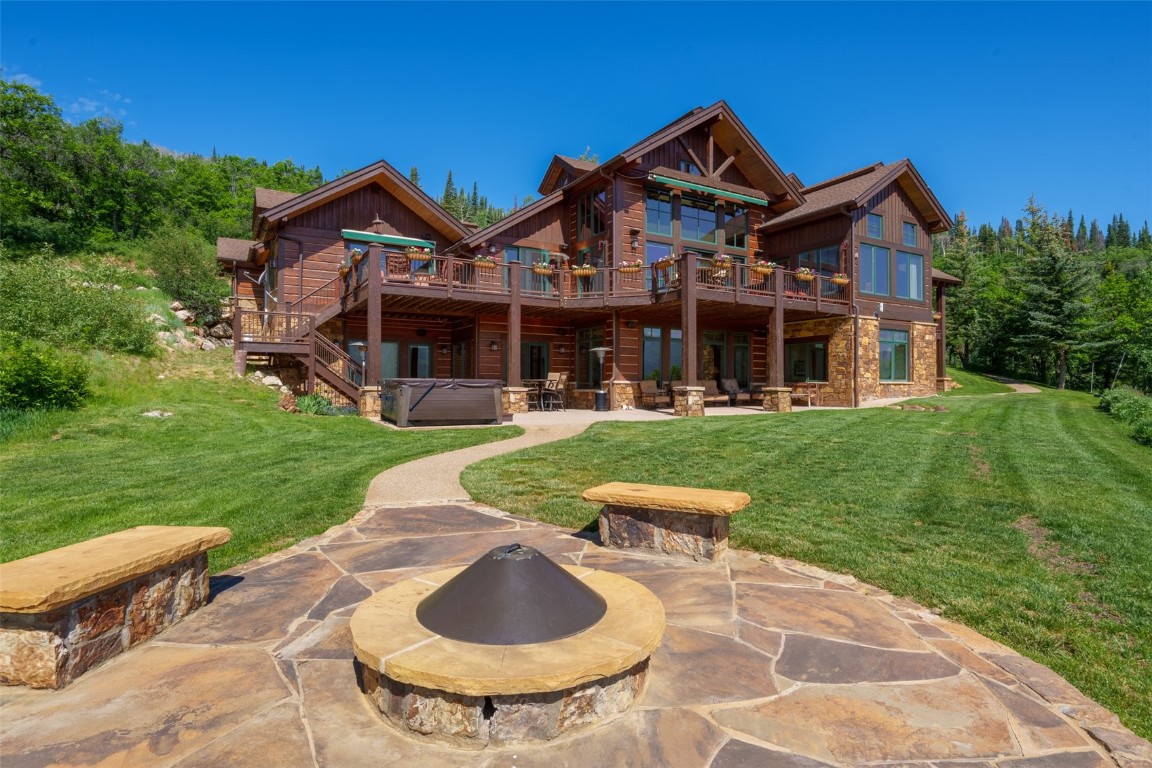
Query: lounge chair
[651,393]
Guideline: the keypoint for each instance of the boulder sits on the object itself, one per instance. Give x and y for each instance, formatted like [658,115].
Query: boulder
[288,403]
[207,345]
[222,330]
[185,316]
[175,306]
[272,381]
[156,319]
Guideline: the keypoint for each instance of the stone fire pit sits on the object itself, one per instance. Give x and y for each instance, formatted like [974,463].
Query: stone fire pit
[473,694]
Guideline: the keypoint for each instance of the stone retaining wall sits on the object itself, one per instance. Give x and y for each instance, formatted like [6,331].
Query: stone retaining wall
[50,649]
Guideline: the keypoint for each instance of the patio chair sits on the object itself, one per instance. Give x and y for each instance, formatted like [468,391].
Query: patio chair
[731,388]
[553,393]
[712,395]
[650,392]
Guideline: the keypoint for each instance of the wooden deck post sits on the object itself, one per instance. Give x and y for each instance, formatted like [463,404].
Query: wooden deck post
[776,347]
[372,354]
[515,275]
[941,346]
[688,316]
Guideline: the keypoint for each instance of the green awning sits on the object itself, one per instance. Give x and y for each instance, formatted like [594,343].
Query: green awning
[372,237]
[710,190]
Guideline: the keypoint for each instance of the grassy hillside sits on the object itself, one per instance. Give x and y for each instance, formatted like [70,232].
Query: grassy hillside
[1027,517]
[226,456]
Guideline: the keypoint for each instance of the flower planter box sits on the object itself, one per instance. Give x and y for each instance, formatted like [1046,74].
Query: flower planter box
[542,270]
[807,278]
[761,270]
[484,264]
[840,281]
[631,270]
[584,271]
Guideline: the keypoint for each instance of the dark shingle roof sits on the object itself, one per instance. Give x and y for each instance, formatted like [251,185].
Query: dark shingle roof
[833,193]
[270,198]
[232,250]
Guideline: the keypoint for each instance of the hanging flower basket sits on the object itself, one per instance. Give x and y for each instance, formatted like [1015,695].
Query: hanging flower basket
[806,275]
[936,316]
[542,269]
[357,255]
[584,271]
[630,267]
[761,268]
[840,279]
[344,270]
[483,262]
[631,270]
[418,254]
[665,263]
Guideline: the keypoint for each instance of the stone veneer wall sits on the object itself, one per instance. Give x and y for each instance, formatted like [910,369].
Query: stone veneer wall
[49,650]
[514,399]
[922,338]
[625,394]
[838,390]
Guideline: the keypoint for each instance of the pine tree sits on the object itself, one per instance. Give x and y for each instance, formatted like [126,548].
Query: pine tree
[1095,237]
[1054,289]
[1069,232]
[414,176]
[1005,228]
[1144,239]
[448,200]
[963,300]
[1081,236]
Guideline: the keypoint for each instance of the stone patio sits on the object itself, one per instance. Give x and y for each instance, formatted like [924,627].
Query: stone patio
[765,662]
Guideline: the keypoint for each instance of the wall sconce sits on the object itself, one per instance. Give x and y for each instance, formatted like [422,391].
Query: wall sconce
[492,249]
[494,345]
[635,233]
[630,324]
[444,348]
[561,350]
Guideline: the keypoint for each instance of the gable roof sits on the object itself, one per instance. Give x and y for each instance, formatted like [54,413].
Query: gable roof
[855,188]
[940,276]
[729,131]
[268,198]
[379,172]
[574,165]
[511,220]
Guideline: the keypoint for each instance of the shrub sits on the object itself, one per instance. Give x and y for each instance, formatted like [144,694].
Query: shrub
[316,405]
[186,270]
[1126,404]
[34,375]
[41,298]
[1143,432]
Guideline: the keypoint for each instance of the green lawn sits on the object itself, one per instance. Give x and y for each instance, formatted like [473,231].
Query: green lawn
[927,505]
[227,456]
[974,384]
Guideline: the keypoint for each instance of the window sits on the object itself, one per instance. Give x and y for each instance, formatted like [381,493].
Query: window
[658,213]
[689,167]
[825,260]
[590,215]
[806,361]
[909,234]
[653,354]
[893,355]
[742,358]
[588,371]
[675,354]
[524,255]
[697,220]
[874,270]
[875,226]
[909,276]
[734,221]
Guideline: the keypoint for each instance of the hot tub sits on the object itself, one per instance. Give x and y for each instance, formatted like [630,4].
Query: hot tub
[440,402]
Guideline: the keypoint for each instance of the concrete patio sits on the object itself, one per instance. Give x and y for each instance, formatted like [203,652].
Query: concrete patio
[764,662]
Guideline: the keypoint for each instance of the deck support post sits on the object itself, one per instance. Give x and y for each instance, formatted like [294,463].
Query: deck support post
[513,351]
[688,317]
[372,354]
[776,348]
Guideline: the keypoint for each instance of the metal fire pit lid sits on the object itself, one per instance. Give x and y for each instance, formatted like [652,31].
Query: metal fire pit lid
[511,596]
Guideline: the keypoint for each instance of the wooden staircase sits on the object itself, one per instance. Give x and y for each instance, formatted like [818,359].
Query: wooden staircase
[294,332]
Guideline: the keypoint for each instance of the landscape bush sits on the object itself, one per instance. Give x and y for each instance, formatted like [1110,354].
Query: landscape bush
[43,298]
[35,375]
[1130,407]
[186,269]
[316,405]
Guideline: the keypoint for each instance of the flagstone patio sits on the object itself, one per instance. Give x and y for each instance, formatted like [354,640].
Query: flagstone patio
[764,662]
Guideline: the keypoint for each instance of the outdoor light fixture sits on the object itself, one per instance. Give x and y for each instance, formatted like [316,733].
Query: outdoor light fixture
[494,346]
[492,249]
[359,347]
[635,238]
[443,349]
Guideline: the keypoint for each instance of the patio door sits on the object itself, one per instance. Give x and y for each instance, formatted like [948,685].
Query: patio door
[533,360]
[713,364]
[420,361]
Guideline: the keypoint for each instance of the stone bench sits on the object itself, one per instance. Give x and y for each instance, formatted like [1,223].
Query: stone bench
[64,611]
[683,522]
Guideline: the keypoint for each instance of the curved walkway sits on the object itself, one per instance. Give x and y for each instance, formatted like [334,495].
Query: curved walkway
[765,662]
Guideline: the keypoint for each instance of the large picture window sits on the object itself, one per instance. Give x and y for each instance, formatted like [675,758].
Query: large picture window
[825,261]
[893,355]
[734,221]
[874,270]
[658,213]
[591,210]
[697,220]
[653,354]
[909,276]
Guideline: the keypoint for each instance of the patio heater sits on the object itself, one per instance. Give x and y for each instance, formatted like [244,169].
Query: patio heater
[602,395]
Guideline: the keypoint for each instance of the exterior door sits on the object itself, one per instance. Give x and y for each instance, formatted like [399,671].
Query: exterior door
[533,360]
[420,361]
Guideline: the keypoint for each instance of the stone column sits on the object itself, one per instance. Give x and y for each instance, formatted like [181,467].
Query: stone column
[514,399]
[688,401]
[778,399]
[370,402]
[624,394]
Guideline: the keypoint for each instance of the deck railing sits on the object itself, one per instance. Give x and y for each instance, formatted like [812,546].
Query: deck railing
[314,301]
[337,360]
[449,274]
[273,327]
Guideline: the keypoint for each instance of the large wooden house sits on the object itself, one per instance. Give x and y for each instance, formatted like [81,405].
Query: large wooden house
[690,255]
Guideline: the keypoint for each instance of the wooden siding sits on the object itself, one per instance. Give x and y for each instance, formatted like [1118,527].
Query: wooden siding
[816,234]
[627,362]
[546,226]
[358,208]
[317,252]
[893,204]
[437,332]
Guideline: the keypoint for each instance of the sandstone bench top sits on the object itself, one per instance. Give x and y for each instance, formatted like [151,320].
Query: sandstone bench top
[61,576]
[700,501]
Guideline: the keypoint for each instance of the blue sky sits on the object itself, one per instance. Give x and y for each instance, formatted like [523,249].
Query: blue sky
[992,102]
